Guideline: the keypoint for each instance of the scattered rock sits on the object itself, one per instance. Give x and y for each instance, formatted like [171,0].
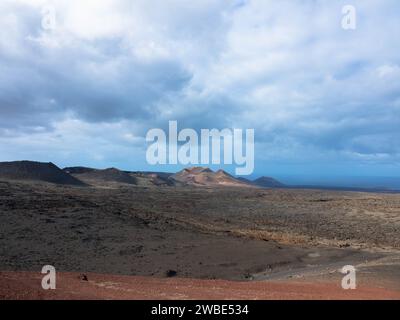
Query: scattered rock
[83,277]
[171,273]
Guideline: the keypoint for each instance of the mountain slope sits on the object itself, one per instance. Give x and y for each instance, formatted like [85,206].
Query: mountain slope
[78,170]
[268,182]
[97,176]
[36,171]
[200,176]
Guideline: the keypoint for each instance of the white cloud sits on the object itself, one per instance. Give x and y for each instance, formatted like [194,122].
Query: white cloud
[388,70]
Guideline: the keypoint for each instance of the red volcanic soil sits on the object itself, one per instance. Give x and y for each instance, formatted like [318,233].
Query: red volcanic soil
[27,285]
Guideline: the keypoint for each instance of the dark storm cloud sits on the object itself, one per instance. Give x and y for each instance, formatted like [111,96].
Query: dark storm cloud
[93,85]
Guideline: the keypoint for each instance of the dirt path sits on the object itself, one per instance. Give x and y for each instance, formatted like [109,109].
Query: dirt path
[27,285]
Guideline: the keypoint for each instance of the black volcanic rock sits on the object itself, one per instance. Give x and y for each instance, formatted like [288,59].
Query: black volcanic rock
[36,171]
[245,180]
[268,182]
[106,175]
[148,178]
[77,170]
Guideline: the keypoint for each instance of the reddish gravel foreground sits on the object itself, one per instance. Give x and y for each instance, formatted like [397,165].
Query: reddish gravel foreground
[27,285]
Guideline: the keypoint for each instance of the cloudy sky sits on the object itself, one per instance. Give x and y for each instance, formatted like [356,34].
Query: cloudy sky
[323,101]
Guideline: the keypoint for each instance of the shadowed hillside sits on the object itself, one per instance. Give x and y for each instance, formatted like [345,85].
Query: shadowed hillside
[96,176]
[36,171]
[268,182]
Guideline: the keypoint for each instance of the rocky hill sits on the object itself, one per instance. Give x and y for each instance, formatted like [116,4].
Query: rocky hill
[36,171]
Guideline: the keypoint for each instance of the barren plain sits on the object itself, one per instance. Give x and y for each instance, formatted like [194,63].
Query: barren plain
[246,235]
